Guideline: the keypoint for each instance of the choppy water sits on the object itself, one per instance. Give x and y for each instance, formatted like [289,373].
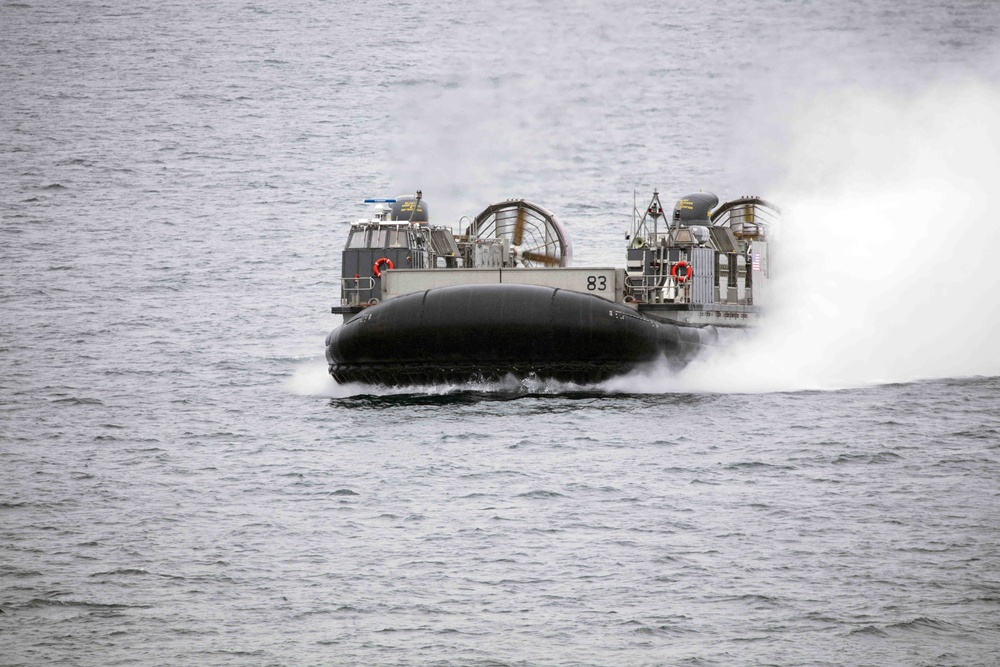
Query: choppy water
[180,483]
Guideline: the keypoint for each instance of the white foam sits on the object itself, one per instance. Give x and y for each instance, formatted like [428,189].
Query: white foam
[311,378]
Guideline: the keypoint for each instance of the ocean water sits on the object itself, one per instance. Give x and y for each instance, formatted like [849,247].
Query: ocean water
[181,482]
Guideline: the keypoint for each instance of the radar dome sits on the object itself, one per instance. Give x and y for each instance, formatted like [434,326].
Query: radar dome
[695,209]
[408,207]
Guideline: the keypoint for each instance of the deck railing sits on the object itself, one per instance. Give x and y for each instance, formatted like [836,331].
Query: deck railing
[351,289]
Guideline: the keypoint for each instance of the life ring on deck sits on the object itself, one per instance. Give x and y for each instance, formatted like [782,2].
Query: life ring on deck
[688,271]
[379,263]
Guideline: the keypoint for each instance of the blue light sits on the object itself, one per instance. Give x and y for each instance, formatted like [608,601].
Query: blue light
[380,201]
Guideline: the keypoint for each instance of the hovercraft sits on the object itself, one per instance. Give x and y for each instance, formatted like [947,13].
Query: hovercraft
[424,305]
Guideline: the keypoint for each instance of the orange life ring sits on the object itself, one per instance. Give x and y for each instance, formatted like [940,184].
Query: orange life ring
[378,265]
[688,271]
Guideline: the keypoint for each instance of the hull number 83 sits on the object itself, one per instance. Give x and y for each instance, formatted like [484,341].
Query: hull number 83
[597,283]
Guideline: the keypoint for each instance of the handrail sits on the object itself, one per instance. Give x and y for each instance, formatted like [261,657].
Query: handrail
[350,295]
[667,291]
[747,217]
[756,201]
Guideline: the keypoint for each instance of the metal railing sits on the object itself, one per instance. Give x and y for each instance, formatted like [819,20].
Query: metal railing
[640,289]
[747,217]
[351,289]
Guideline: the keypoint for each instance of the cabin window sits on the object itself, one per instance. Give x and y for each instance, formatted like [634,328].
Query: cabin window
[397,238]
[378,238]
[357,239]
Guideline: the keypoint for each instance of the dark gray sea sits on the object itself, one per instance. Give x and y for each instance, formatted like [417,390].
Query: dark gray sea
[182,484]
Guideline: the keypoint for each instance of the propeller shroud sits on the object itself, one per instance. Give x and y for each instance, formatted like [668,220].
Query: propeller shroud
[535,236]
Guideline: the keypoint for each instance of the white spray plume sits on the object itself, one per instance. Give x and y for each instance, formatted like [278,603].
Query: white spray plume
[311,378]
[886,260]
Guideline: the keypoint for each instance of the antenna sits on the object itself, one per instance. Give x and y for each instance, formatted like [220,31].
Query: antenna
[655,210]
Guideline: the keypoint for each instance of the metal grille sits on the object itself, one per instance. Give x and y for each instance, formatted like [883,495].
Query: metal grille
[703,285]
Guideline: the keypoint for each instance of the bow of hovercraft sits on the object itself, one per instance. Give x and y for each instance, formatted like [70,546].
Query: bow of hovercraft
[467,333]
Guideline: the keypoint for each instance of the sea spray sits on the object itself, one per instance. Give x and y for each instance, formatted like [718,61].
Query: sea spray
[884,261]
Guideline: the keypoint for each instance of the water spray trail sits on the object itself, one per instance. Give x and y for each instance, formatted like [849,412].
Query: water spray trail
[885,259]
[311,378]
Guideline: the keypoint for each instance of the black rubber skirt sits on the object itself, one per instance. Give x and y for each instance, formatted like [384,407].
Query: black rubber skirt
[488,332]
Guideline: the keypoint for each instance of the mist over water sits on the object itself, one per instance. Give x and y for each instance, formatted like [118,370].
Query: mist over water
[884,262]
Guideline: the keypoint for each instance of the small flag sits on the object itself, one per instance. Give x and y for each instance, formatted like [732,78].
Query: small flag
[756,261]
